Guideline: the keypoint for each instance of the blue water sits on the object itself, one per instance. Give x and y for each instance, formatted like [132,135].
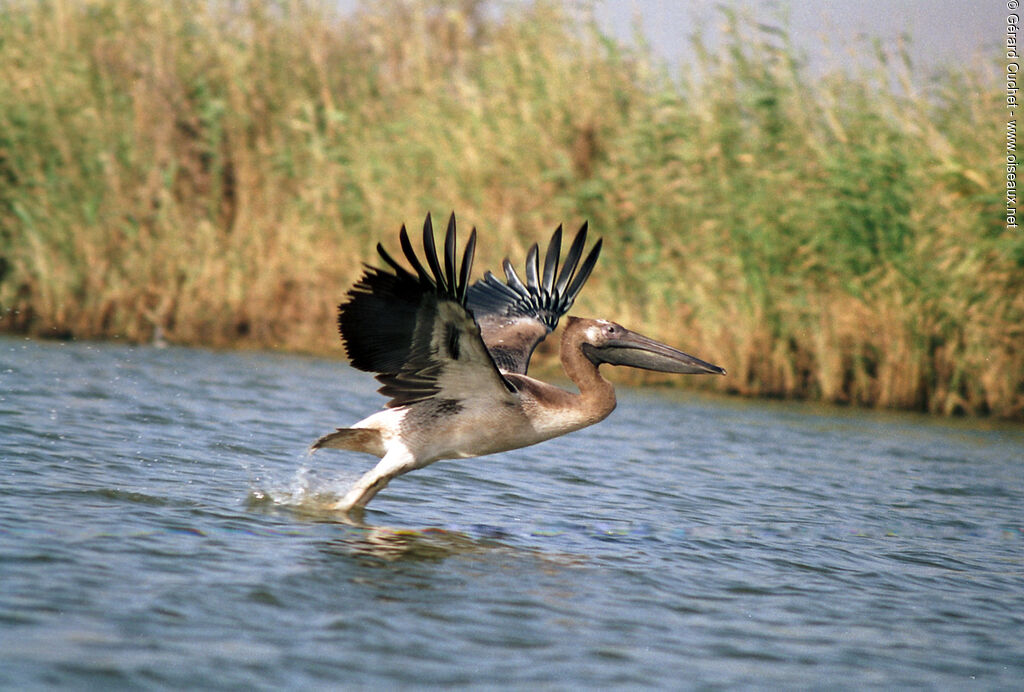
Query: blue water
[162,526]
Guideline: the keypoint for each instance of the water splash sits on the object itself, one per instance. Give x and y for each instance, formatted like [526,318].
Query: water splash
[307,492]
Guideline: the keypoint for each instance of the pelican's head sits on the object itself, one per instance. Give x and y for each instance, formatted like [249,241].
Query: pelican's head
[608,342]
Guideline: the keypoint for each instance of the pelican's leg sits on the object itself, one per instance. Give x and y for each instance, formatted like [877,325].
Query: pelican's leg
[397,461]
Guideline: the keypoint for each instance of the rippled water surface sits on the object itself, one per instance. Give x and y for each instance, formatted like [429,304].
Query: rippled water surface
[161,525]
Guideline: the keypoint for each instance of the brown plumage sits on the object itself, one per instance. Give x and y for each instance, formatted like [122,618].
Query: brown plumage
[452,357]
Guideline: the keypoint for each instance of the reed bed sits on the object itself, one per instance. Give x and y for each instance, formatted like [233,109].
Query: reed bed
[219,170]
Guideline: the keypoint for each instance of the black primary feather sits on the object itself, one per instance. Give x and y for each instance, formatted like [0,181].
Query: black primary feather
[431,253]
[551,260]
[388,320]
[467,266]
[545,301]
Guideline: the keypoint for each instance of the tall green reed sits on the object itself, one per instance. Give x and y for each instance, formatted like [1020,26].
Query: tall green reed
[220,170]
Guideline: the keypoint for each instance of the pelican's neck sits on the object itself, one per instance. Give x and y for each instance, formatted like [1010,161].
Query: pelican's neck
[596,392]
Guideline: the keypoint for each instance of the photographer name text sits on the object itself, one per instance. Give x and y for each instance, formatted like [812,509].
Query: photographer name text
[1013,30]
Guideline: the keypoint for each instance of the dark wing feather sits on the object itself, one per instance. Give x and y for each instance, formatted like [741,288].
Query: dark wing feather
[413,328]
[514,317]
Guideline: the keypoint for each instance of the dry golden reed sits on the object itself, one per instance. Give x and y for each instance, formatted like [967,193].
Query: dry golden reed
[220,169]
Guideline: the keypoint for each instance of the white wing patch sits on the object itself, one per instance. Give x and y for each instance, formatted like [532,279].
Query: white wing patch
[467,370]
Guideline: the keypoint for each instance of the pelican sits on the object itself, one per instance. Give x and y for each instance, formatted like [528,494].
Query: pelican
[452,357]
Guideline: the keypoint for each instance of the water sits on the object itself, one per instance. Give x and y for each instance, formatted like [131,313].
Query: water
[161,526]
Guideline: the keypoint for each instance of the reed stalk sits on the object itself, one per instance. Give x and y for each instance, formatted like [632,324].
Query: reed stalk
[221,169]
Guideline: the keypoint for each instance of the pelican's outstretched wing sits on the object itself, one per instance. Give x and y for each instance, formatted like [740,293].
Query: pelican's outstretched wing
[514,317]
[413,328]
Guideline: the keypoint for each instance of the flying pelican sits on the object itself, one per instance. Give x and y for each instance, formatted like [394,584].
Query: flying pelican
[453,357]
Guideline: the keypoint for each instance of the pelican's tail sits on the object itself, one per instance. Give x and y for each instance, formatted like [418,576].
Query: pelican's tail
[355,439]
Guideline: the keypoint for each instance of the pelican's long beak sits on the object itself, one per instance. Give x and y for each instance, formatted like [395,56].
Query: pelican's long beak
[638,351]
